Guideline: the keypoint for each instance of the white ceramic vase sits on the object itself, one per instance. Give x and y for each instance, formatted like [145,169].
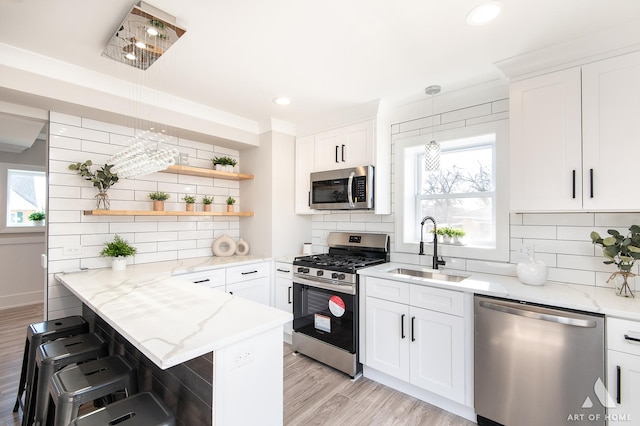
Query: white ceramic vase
[118,263]
[532,272]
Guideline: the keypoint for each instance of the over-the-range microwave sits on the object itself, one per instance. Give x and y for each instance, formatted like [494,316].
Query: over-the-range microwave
[342,189]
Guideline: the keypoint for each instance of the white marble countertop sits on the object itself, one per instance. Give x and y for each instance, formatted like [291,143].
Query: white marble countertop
[600,300]
[167,318]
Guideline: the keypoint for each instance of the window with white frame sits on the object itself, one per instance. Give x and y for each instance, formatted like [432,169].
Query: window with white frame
[23,191]
[468,192]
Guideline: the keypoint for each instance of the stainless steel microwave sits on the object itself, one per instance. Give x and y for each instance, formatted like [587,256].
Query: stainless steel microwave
[343,189]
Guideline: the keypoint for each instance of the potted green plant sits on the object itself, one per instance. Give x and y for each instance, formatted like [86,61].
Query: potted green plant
[189,200]
[206,203]
[158,199]
[102,179]
[457,234]
[37,218]
[224,163]
[230,202]
[118,250]
[622,251]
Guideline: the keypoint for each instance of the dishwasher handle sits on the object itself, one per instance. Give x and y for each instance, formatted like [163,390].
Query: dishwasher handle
[576,322]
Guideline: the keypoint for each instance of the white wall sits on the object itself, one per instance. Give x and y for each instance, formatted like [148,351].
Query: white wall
[75,240]
[22,276]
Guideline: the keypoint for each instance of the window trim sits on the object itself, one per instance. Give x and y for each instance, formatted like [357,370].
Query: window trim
[4,172]
[405,196]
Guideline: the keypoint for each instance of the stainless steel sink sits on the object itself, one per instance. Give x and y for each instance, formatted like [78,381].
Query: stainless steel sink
[431,275]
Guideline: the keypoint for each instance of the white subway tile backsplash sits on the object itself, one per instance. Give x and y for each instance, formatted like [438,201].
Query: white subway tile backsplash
[58,216]
[491,267]
[78,132]
[160,256]
[539,232]
[197,145]
[350,226]
[573,276]
[143,237]
[486,119]
[78,228]
[65,143]
[58,191]
[119,228]
[107,127]
[107,149]
[590,263]
[617,220]
[466,113]
[72,120]
[500,106]
[569,219]
[582,248]
[177,245]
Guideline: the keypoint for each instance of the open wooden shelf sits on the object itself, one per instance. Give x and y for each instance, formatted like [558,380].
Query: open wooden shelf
[198,171]
[162,213]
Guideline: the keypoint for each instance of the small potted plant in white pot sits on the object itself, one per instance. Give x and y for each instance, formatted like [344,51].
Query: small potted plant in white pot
[230,202]
[190,201]
[158,199]
[118,250]
[37,218]
[457,235]
[206,203]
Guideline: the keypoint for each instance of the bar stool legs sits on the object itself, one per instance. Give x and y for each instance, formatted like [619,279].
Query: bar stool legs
[74,386]
[38,333]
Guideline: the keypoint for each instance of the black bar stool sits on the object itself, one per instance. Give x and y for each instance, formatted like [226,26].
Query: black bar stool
[52,357]
[73,386]
[42,332]
[142,409]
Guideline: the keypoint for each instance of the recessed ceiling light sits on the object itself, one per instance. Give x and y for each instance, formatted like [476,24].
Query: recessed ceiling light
[281,100]
[484,13]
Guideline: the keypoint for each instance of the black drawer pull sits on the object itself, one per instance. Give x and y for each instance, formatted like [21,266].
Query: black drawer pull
[633,339]
[282,270]
[413,337]
[289,295]
[250,272]
[343,153]
[337,154]
[202,281]
[618,377]
[402,326]
[591,182]
[573,173]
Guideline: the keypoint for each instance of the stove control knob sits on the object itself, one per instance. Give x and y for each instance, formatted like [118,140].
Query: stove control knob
[302,270]
[337,276]
[320,273]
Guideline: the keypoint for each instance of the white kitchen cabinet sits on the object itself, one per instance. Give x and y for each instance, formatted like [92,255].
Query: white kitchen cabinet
[212,278]
[304,168]
[349,146]
[250,281]
[284,290]
[569,131]
[424,347]
[623,371]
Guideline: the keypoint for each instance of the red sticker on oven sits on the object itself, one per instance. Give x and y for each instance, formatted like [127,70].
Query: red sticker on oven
[336,306]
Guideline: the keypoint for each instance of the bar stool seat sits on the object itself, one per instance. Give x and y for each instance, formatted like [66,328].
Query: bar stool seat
[76,385]
[52,357]
[42,332]
[142,409]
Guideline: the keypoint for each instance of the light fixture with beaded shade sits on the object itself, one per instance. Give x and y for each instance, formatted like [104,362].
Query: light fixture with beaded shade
[432,148]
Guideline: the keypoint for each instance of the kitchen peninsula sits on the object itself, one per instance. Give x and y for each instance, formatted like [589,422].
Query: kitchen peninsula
[204,352]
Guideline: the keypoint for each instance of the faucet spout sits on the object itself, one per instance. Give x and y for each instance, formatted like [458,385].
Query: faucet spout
[437,261]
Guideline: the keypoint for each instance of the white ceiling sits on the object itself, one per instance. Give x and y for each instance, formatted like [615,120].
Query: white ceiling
[325,55]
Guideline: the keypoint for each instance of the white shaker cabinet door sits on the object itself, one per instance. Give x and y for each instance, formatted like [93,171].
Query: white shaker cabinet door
[624,387]
[387,339]
[304,167]
[545,143]
[611,124]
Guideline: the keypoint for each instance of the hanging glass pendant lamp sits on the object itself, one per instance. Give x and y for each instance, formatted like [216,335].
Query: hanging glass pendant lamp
[432,148]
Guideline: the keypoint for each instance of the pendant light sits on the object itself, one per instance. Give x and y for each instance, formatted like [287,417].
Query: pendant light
[432,148]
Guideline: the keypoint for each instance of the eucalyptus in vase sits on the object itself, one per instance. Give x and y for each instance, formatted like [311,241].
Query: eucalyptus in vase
[623,251]
[102,179]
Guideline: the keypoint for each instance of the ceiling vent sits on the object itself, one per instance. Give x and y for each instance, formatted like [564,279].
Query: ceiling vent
[145,34]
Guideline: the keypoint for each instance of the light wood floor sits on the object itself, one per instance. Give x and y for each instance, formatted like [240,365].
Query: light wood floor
[314,394]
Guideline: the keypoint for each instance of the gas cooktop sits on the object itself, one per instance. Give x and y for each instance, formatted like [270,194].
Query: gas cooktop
[337,262]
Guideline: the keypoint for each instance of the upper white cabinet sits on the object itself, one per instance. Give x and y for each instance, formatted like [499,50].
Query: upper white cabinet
[304,166]
[569,130]
[349,146]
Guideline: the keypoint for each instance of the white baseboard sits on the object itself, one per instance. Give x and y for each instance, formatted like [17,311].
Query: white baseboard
[21,299]
[423,395]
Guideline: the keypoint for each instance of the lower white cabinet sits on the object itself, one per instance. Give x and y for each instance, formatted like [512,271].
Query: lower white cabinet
[423,347]
[623,371]
[212,278]
[284,290]
[250,281]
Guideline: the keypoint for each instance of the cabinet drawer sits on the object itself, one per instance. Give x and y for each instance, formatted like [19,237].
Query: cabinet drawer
[395,291]
[210,277]
[284,270]
[621,334]
[247,272]
[437,299]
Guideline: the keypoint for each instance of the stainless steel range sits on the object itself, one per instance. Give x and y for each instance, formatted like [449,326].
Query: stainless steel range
[325,302]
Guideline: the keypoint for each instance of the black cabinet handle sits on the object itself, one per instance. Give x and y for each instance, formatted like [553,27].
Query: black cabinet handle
[591,182]
[618,377]
[309,198]
[247,273]
[337,154]
[343,153]
[289,295]
[633,339]
[574,183]
[282,270]
[202,281]
[402,326]
[231,293]
[413,337]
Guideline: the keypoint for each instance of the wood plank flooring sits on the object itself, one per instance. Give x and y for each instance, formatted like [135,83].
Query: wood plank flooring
[314,394]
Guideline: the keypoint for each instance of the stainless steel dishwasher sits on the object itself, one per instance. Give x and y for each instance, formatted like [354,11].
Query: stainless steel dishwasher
[537,366]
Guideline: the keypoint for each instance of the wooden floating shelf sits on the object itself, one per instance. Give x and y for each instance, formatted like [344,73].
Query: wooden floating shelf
[162,213]
[198,171]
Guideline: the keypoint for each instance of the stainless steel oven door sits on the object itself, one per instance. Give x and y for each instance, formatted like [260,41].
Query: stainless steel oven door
[326,312]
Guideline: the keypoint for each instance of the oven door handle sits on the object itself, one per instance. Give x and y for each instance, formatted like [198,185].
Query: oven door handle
[350,189]
[347,289]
